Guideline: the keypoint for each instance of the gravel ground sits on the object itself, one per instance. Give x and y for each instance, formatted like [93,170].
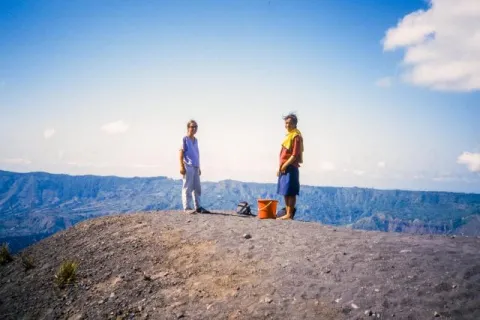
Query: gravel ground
[172,265]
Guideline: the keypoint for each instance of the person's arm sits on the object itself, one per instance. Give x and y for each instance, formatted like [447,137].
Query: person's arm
[287,163]
[293,157]
[182,165]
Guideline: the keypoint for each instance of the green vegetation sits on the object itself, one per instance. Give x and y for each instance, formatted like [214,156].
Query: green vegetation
[66,274]
[5,256]
[27,262]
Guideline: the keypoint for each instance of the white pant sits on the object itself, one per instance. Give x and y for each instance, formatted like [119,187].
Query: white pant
[191,187]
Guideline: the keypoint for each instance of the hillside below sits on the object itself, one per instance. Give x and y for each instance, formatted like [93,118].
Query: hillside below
[172,265]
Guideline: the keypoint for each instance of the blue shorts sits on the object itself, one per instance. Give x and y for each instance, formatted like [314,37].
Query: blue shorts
[289,182]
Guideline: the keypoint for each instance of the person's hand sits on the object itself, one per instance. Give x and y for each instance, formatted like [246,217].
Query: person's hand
[283,168]
[278,173]
[182,171]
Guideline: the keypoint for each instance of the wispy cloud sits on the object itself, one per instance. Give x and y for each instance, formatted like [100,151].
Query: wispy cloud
[442,45]
[471,160]
[16,161]
[358,172]
[146,166]
[48,133]
[385,82]
[328,166]
[381,164]
[115,127]
[87,164]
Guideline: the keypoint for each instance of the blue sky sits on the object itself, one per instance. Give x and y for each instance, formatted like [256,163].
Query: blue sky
[387,96]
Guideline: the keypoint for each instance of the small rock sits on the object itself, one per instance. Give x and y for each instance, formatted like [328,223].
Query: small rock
[334,230]
[146,277]
[77,316]
[377,290]
[338,300]
[454,286]
[344,253]
[405,250]
[328,271]
[180,315]
[247,236]
[209,306]
[177,304]
[436,314]
[100,301]
[354,306]
[268,300]
[452,237]
[188,221]
[368,312]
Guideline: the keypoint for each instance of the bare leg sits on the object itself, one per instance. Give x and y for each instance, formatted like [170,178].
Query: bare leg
[290,202]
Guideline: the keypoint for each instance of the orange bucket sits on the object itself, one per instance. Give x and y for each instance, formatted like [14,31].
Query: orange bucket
[267,208]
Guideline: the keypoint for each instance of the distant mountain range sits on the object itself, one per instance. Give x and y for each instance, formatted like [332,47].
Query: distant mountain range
[33,205]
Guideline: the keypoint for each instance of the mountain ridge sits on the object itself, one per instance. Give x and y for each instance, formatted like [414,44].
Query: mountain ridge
[44,203]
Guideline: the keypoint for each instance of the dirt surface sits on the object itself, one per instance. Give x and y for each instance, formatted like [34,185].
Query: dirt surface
[172,265]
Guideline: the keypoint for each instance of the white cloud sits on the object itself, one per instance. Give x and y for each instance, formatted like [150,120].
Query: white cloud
[115,127]
[88,164]
[358,172]
[444,177]
[146,166]
[385,82]
[381,164]
[328,166]
[442,45]
[48,133]
[471,160]
[16,161]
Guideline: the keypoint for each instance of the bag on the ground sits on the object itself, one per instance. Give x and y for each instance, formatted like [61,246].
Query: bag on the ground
[244,208]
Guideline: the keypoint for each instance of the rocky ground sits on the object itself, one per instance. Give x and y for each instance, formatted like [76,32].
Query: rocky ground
[172,265]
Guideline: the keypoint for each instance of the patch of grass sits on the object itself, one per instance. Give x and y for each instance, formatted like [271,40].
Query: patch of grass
[27,262]
[5,256]
[67,273]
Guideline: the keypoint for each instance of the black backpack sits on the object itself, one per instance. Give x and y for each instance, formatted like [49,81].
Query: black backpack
[244,208]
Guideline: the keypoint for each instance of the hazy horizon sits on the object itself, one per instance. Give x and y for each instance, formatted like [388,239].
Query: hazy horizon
[242,181]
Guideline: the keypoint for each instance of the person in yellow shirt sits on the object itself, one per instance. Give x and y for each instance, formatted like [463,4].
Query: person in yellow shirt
[291,155]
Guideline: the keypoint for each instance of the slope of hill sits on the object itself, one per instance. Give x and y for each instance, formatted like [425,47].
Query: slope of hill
[40,203]
[171,265]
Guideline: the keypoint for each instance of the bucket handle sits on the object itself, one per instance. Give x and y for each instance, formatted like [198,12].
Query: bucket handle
[265,206]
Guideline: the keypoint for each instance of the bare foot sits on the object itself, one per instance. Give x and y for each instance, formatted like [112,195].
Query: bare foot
[285,217]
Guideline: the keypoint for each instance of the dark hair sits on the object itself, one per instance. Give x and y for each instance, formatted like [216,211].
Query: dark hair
[292,116]
[191,122]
